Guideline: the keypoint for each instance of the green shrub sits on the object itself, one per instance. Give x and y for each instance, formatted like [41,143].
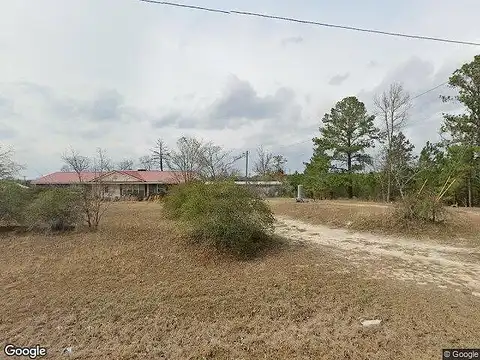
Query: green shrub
[223,215]
[177,197]
[13,201]
[55,209]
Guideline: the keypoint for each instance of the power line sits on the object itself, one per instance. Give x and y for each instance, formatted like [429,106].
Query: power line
[294,144]
[426,92]
[187,6]
[247,13]
[415,97]
[308,22]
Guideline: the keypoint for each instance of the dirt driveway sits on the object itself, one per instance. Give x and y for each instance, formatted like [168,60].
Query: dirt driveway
[427,264]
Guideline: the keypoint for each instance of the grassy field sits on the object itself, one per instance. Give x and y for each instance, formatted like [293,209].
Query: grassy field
[135,290]
[462,224]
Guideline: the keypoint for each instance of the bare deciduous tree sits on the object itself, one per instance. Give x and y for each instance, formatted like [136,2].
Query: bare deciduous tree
[102,163]
[92,193]
[263,164]
[268,164]
[125,164]
[146,162]
[187,159]
[216,162]
[392,106]
[80,164]
[160,154]
[76,162]
[194,158]
[8,167]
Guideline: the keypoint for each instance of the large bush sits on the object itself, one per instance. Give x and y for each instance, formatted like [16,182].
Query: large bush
[224,215]
[13,201]
[177,197]
[425,207]
[55,209]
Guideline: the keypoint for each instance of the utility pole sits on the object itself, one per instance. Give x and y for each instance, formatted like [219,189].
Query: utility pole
[246,166]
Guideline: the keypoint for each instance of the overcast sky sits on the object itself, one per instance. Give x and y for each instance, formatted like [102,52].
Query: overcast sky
[118,74]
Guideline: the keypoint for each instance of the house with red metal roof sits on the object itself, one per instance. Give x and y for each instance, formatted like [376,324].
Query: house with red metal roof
[118,183]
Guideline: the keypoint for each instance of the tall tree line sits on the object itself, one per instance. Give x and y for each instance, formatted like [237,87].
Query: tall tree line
[342,164]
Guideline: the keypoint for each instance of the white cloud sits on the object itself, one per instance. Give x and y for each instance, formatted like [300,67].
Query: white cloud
[120,73]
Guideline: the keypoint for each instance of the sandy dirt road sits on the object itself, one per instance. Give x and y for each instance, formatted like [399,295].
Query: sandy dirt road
[450,267]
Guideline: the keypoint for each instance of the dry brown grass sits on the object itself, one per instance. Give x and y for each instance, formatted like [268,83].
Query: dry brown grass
[460,225]
[133,290]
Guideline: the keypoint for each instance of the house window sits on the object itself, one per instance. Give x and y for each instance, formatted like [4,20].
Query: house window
[129,189]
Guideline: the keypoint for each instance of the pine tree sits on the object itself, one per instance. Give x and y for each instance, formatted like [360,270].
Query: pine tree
[402,161]
[346,133]
[316,173]
[464,129]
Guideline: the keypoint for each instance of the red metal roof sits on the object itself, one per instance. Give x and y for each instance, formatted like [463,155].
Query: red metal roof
[156,176]
[62,177]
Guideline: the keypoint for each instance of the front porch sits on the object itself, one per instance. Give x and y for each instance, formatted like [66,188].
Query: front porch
[119,191]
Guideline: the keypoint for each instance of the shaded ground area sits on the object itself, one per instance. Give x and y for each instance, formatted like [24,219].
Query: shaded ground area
[135,291]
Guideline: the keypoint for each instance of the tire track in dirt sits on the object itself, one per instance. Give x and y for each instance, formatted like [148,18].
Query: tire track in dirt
[395,257]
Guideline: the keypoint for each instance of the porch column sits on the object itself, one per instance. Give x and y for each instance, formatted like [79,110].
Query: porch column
[148,190]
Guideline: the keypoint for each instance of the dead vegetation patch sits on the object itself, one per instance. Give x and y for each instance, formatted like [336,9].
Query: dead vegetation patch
[133,290]
[455,225]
